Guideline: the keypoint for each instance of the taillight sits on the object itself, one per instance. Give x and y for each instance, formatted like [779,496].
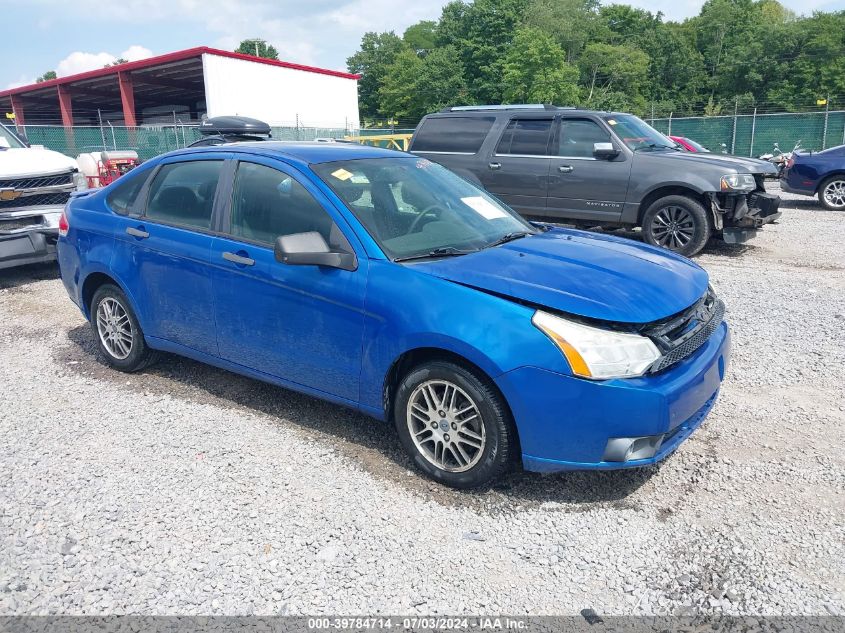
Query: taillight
[63,225]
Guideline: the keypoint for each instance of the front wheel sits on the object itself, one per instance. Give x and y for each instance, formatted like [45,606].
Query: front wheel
[832,193]
[454,424]
[678,223]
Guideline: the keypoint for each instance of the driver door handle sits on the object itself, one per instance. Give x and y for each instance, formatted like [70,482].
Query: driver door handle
[495,165]
[566,169]
[139,233]
[238,259]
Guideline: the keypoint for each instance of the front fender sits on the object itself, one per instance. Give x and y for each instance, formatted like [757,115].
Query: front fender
[491,332]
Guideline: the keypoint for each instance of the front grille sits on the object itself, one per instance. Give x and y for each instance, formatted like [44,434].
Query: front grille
[21,223]
[40,181]
[42,199]
[681,336]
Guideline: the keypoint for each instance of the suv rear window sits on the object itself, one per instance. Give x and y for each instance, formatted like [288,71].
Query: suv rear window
[529,137]
[452,134]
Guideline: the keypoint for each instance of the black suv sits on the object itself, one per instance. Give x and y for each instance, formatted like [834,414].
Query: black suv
[601,169]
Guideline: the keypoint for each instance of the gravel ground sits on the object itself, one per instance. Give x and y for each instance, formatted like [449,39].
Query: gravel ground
[190,490]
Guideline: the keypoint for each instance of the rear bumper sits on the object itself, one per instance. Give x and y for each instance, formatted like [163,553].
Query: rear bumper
[785,186]
[566,423]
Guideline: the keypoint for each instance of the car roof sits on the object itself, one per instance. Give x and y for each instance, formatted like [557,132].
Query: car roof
[486,111]
[303,152]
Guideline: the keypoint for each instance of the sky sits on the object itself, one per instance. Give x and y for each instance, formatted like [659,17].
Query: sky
[78,35]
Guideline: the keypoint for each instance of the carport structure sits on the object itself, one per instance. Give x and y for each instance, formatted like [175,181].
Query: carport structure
[181,84]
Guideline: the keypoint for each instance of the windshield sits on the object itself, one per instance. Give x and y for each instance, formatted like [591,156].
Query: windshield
[637,134]
[413,207]
[8,139]
[697,146]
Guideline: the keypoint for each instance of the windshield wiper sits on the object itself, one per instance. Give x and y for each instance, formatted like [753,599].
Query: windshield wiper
[446,251]
[509,237]
[655,146]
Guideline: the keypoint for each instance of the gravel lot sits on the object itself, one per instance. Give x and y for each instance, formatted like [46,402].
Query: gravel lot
[190,490]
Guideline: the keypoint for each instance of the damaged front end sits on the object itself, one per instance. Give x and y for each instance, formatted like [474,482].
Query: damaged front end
[738,214]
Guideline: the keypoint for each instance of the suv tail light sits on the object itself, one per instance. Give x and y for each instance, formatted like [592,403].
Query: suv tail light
[63,225]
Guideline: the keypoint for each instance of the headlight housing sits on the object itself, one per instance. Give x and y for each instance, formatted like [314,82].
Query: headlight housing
[80,181]
[738,182]
[597,353]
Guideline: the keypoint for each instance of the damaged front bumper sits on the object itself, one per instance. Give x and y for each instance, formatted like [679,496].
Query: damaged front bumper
[738,216]
[28,236]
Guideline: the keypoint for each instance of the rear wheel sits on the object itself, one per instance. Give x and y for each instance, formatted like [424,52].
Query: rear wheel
[117,332]
[454,424]
[832,193]
[678,223]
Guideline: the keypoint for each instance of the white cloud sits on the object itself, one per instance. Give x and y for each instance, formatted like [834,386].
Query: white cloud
[22,80]
[80,62]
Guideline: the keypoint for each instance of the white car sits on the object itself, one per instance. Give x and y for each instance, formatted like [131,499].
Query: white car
[35,184]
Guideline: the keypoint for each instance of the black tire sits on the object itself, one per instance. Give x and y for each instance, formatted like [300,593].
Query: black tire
[498,446]
[678,223]
[139,355]
[838,181]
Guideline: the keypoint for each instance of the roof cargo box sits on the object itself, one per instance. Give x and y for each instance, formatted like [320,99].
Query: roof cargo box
[233,125]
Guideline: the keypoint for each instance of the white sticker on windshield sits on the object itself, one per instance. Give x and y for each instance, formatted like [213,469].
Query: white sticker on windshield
[484,207]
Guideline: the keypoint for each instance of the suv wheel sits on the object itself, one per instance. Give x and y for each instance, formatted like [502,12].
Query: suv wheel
[832,193]
[454,424]
[678,223]
[116,330]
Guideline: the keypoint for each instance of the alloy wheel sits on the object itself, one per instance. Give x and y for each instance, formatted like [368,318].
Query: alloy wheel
[673,227]
[114,328]
[834,194]
[446,426]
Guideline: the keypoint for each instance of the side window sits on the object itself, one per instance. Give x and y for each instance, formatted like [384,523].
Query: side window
[529,137]
[120,200]
[268,203]
[452,134]
[183,193]
[578,137]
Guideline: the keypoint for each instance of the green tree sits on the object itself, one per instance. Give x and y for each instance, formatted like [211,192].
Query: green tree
[536,70]
[614,76]
[421,36]
[117,62]
[258,48]
[50,74]
[573,23]
[481,34]
[414,86]
[377,53]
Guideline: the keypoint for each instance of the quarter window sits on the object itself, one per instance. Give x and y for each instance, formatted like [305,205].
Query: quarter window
[121,199]
[452,134]
[268,203]
[183,193]
[578,137]
[529,137]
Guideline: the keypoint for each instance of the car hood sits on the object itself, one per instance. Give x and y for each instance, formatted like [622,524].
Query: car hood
[592,276]
[723,161]
[33,161]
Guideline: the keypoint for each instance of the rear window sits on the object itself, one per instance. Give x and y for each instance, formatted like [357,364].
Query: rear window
[126,190]
[528,137]
[452,134]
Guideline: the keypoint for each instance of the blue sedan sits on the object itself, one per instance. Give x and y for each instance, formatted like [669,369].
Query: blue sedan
[819,174]
[384,282]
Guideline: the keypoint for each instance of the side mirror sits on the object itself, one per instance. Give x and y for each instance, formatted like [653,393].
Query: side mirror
[310,249]
[605,151]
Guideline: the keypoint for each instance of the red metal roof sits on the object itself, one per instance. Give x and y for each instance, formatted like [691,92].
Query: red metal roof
[168,58]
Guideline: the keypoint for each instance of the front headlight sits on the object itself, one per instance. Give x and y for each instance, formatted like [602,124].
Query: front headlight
[596,353]
[738,182]
[80,181]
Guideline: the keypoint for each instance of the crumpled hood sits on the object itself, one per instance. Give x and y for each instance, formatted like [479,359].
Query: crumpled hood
[723,161]
[593,276]
[32,161]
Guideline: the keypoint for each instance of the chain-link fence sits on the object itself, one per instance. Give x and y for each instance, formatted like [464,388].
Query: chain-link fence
[148,141]
[755,134]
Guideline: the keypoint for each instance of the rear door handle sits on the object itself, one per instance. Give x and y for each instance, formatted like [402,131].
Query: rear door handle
[495,165]
[238,259]
[139,233]
[566,169]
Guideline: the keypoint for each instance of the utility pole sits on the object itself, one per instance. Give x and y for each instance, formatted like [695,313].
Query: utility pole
[255,42]
[826,114]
